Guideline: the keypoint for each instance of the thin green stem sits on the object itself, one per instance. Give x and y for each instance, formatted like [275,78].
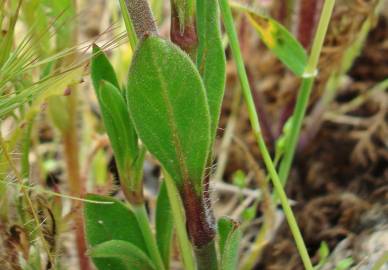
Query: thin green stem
[305,91]
[253,117]
[320,36]
[296,125]
[144,224]
[128,25]
[179,221]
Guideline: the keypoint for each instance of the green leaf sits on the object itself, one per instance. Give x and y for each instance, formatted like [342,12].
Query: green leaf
[113,108]
[118,125]
[344,264]
[211,58]
[101,69]
[164,225]
[185,10]
[324,253]
[281,42]
[105,222]
[229,238]
[168,106]
[239,179]
[125,256]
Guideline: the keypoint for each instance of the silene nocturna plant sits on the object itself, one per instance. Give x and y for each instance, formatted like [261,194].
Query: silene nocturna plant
[170,107]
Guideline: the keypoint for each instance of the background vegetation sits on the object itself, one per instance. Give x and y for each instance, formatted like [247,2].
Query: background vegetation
[56,142]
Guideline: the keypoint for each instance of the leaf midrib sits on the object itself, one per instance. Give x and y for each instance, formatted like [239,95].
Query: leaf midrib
[171,121]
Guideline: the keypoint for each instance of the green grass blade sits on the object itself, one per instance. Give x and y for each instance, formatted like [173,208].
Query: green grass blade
[7,41]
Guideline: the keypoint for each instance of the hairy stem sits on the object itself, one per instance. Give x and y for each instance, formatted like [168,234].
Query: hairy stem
[141,15]
[70,140]
[200,226]
[128,25]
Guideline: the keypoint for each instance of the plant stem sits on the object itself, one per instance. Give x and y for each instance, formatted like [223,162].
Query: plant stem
[128,25]
[141,15]
[353,50]
[305,91]
[183,26]
[307,20]
[179,221]
[70,141]
[71,152]
[207,256]
[253,117]
[320,36]
[144,224]
[200,223]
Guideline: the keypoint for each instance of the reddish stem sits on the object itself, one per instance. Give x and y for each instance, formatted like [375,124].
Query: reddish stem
[309,11]
[75,182]
[185,38]
[199,221]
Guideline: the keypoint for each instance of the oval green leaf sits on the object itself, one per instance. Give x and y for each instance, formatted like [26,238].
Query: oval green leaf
[121,134]
[229,239]
[168,106]
[211,58]
[164,225]
[105,222]
[101,69]
[281,42]
[125,256]
[117,123]
[113,108]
